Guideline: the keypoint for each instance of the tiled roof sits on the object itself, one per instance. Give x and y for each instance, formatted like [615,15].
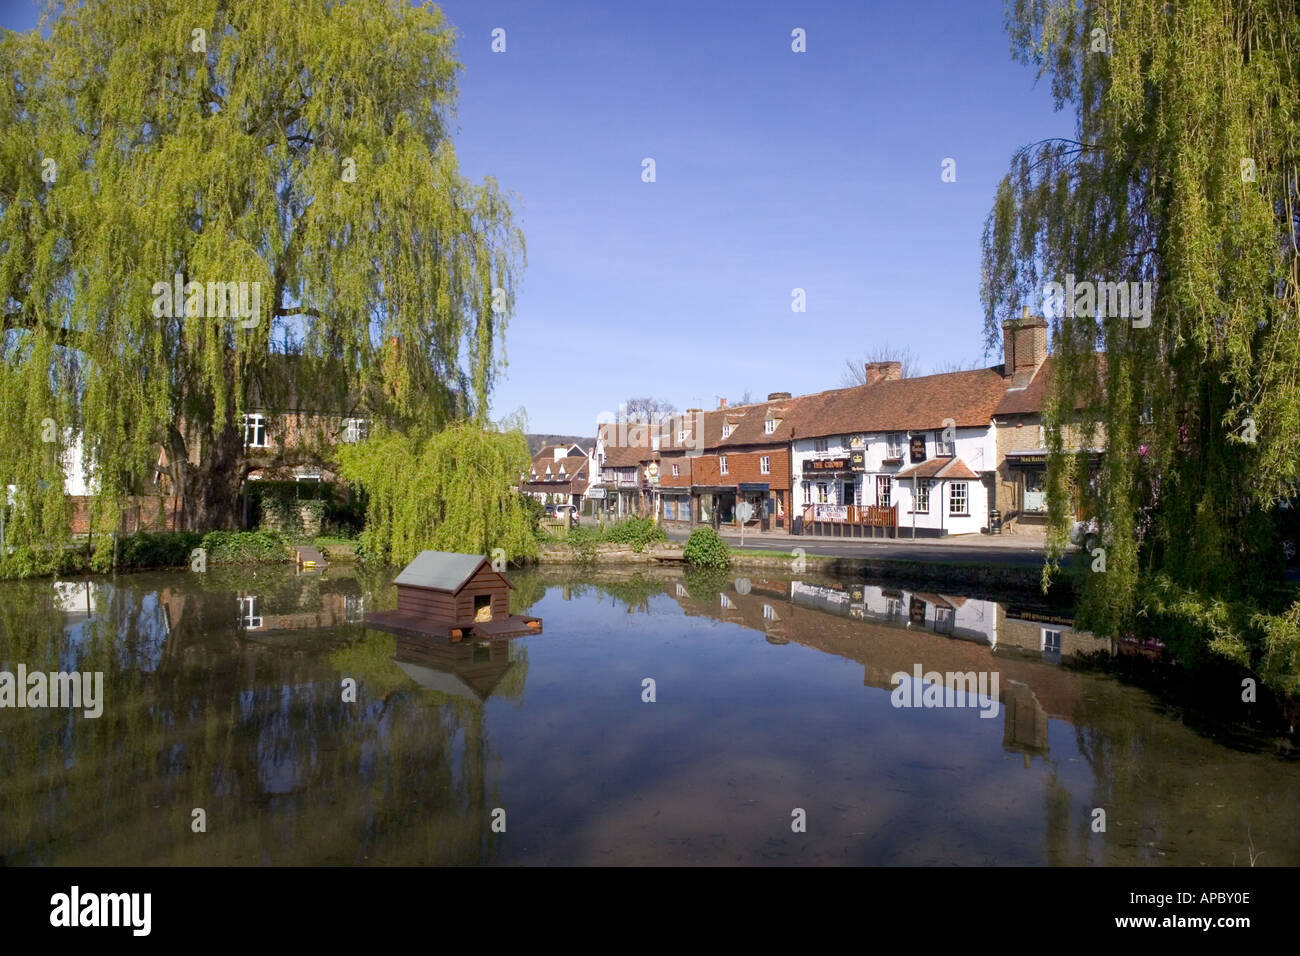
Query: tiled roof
[939,468]
[1029,400]
[968,398]
[625,455]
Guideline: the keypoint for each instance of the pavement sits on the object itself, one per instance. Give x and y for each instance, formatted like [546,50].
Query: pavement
[1010,550]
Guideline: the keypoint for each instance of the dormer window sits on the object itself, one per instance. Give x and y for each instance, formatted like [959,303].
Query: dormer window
[769,426]
[681,435]
[726,431]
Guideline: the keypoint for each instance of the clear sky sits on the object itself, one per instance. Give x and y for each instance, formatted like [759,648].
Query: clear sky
[775,170]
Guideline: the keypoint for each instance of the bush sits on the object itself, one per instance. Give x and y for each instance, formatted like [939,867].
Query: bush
[145,550]
[637,532]
[706,549]
[244,547]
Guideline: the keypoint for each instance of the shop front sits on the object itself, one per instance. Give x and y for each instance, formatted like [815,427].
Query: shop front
[757,494]
[717,505]
[675,504]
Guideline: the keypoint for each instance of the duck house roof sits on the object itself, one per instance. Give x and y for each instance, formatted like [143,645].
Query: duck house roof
[441,570]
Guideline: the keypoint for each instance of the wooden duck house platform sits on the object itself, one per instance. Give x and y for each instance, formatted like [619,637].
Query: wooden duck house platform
[309,559]
[452,597]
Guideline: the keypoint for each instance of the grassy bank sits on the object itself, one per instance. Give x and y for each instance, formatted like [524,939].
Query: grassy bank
[156,551]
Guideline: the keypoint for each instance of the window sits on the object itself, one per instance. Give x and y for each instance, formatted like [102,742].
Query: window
[943,620]
[958,502]
[355,430]
[819,445]
[894,442]
[725,602]
[769,426]
[354,608]
[923,496]
[722,464]
[255,431]
[883,487]
[821,492]
[681,435]
[944,447]
[677,473]
[726,431]
[765,465]
[1051,643]
[807,493]
[769,613]
[893,607]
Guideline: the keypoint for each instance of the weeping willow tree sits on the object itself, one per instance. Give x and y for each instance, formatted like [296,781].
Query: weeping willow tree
[300,147]
[1182,173]
[453,490]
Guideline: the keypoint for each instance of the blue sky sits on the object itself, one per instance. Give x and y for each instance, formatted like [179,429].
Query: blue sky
[775,170]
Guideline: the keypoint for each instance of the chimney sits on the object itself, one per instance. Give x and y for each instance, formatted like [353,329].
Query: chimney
[1024,346]
[558,453]
[722,403]
[777,396]
[883,372]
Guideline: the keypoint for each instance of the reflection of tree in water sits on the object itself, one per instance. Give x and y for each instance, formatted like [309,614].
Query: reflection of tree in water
[255,734]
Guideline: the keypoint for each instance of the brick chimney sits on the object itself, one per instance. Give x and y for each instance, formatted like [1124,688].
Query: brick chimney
[883,372]
[1024,346]
[722,403]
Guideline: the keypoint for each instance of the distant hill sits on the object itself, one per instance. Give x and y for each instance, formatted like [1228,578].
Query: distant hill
[537,442]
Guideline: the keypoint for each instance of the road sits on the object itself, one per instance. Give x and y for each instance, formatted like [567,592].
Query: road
[995,551]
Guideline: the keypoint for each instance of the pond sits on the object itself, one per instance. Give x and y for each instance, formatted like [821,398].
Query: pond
[773,735]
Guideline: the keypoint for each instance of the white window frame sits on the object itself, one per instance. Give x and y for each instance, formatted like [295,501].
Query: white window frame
[248,615]
[965,495]
[895,445]
[722,464]
[822,493]
[676,472]
[726,431]
[943,449]
[765,464]
[355,430]
[820,445]
[922,503]
[255,422]
[681,435]
[1049,640]
[769,426]
[886,483]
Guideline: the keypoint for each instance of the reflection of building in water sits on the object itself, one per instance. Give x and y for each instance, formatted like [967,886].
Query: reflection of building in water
[889,630]
[329,609]
[955,616]
[466,669]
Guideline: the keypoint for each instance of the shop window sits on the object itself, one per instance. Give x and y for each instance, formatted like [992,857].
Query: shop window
[958,499]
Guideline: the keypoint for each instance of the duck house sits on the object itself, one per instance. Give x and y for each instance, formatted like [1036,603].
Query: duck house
[453,596]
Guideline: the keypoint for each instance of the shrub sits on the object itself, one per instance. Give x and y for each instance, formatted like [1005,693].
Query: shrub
[706,549]
[145,550]
[243,547]
[637,532]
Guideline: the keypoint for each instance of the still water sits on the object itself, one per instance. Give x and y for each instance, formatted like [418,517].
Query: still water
[773,704]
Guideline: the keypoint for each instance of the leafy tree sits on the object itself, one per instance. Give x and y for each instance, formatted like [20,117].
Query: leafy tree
[1184,172]
[452,490]
[299,145]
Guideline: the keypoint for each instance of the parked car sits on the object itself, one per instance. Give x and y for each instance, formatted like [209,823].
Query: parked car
[550,511]
[570,510]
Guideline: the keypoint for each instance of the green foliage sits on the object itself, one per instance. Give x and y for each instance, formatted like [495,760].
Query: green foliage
[454,490]
[244,547]
[706,549]
[306,152]
[637,532]
[24,562]
[144,551]
[1199,413]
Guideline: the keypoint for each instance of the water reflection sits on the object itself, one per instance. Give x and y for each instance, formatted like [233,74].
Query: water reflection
[229,692]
